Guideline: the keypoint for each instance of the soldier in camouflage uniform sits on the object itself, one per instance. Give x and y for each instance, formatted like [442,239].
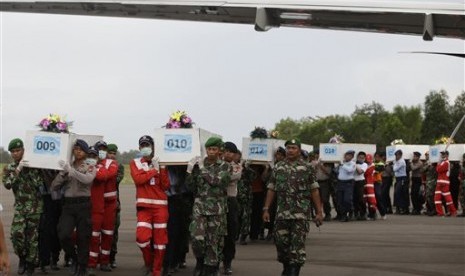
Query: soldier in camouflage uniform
[431,178]
[293,182]
[244,198]
[209,184]
[25,183]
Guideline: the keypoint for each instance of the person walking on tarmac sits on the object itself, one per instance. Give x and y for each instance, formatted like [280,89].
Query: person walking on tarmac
[442,187]
[28,206]
[152,181]
[110,204]
[209,182]
[76,180]
[294,184]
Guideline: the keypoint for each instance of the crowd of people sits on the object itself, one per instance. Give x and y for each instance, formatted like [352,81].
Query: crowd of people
[211,203]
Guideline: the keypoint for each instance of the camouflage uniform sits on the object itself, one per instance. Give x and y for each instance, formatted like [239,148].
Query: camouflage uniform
[208,226]
[431,177]
[244,198]
[28,209]
[293,183]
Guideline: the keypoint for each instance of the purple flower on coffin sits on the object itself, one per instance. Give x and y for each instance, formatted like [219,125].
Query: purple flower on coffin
[175,124]
[61,126]
[186,120]
[45,124]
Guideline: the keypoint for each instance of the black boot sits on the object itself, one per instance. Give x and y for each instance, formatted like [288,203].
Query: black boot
[22,266]
[198,270]
[285,269]
[294,270]
[82,271]
[243,240]
[30,267]
[227,268]
[209,270]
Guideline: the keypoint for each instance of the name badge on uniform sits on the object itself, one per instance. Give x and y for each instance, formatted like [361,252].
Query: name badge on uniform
[152,181]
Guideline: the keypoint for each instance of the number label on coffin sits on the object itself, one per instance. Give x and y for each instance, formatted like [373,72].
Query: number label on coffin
[175,143]
[330,150]
[46,145]
[258,150]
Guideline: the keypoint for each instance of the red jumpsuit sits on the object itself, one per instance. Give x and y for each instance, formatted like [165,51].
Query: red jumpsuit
[152,212]
[369,189]
[96,196]
[442,189]
[109,214]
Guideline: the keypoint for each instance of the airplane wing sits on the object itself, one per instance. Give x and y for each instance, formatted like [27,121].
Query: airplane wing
[397,17]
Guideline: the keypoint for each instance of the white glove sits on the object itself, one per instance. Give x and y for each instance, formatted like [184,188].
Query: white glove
[200,161]
[247,163]
[271,164]
[191,164]
[156,162]
[64,165]
[22,163]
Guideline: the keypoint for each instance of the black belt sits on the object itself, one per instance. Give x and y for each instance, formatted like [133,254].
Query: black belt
[346,181]
[76,200]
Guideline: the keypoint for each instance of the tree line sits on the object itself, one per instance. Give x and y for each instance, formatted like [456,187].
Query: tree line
[371,123]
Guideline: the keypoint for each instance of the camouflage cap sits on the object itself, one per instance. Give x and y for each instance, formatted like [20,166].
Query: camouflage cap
[214,142]
[15,144]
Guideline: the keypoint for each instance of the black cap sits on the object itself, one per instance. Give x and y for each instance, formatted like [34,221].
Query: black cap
[416,153]
[352,152]
[146,139]
[446,152]
[83,145]
[398,152]
[361,153]
[100,144]
[93,150]
[281,150]
[304,153]
[230,146]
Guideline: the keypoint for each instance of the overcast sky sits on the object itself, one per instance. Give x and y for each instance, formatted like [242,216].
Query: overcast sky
[121,78]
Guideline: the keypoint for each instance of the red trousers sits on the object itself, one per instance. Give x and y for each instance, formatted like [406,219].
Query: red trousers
[94,247]
[442,190]
[152,236]
[370,197]
[108,230]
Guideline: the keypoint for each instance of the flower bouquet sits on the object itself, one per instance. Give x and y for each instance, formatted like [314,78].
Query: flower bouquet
[55,123]
[397,142]
[179,119]
[443,141]
[259,133]
[336,139]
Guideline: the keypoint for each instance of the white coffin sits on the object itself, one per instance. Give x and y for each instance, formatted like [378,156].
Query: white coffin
[259,150]
[407,151]
[44,149]
[330,152]
[308,148]
[179,146]
[456,152]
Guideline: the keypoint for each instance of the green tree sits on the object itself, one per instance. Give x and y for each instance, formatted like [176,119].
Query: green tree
[437,122]
[288,128]
[458,111]
[412,119]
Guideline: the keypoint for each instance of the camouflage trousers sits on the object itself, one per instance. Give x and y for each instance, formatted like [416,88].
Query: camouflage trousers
[25,236]
[207,234]
[290,236]
[429,196]
[245,214]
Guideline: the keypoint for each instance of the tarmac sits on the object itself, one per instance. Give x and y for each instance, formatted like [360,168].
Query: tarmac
[400,245]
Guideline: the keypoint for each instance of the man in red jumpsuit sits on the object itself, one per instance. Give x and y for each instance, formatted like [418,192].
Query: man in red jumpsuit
[109,208]
[442,187]
[151,182]
[369,188]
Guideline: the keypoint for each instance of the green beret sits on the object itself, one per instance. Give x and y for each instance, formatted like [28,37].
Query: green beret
[214,142]
[112,148]
[294,142]
[15,143]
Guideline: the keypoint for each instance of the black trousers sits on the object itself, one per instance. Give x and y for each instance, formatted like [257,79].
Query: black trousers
[415,196]
[386,193]
[229,250]
[360,208]
[257,211]
[180,209]
[325,192]
[49,244]
[76,213]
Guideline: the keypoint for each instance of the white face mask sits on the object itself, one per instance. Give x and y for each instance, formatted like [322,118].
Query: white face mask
[147,151]
[102,154]
[91,161]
